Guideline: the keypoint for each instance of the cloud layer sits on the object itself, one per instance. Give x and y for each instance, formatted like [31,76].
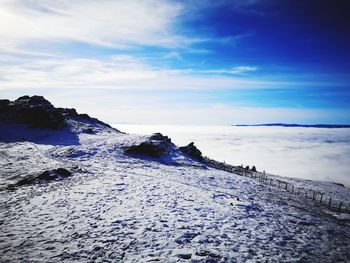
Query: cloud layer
[116,72]
[105,22]
[316,154]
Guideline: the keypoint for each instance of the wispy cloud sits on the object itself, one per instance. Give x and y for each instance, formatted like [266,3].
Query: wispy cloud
[173,55]
[122,71]
[211,114]
[236,70]
[107,23]
[116,72]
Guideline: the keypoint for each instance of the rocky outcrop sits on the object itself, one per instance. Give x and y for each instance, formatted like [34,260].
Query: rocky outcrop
[147,148]
[192,151]
[37,112]
[160,146]
[160,138]
[156,146]
[46,176]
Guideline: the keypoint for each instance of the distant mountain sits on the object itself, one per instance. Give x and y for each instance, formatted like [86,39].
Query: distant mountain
[295,125]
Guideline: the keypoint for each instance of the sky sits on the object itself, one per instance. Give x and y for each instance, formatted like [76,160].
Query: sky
[181,62]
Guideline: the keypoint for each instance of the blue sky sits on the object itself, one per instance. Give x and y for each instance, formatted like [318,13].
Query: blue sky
[181,62]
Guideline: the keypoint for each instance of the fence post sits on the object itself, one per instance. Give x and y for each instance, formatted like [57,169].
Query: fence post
[340,205]
[321,197]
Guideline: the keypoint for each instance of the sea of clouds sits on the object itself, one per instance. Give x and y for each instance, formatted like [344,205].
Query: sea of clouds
[309,153]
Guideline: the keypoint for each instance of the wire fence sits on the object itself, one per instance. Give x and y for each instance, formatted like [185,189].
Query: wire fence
[326,200]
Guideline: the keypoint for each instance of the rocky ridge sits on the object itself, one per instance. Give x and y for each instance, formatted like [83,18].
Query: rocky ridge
[37,112]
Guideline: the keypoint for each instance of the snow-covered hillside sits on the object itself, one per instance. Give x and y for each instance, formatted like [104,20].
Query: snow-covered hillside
[321,154]
[118,206]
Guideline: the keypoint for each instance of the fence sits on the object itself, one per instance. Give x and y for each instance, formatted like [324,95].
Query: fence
[321,198]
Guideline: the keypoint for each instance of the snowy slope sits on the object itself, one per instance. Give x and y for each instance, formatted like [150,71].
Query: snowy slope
[119,207]
[308,153]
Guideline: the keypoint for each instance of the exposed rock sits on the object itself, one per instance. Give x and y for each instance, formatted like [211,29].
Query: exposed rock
[206,253]
[34,101]
[89,131]
[37,112]
[185,256]
[160,137]
[49,175]
[156,146]
[4,104]
[192,151]
[147,148]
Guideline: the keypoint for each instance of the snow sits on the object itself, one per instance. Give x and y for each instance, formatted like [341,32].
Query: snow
[120,208]
[343,216]
[308,153]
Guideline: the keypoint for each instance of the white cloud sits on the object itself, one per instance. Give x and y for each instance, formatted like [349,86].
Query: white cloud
[117,72]
[173,55]
[236,70]
[293,152]
[209,115]
[113,23]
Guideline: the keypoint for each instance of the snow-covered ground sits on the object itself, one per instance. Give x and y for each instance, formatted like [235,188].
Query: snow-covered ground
[118,208]
[309,153]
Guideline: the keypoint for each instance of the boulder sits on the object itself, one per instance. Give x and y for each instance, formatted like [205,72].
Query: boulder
[147,148]
[49,175]
[160,137]
[192,151]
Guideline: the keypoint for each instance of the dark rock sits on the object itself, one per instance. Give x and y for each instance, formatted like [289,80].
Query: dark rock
[185,256]
[34,101]
[89,131]
[68,112]
[54,174]
[206,253]
[4,103]
[50,175]
[160,137]
[37,112]
[84,116]
[72,113]
[39,117]
[192,151]
[147,148]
